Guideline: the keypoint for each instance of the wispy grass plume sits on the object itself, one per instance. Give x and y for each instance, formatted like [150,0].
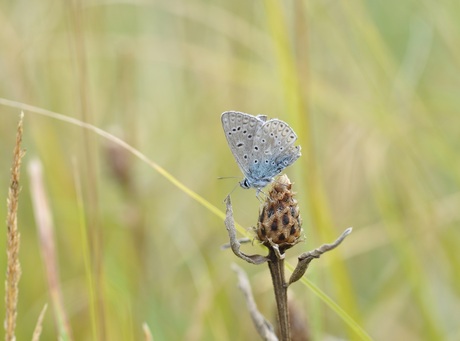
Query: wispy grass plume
[39,325]
[13,270]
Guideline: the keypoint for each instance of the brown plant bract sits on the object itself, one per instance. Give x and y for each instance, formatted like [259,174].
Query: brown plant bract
[279,220]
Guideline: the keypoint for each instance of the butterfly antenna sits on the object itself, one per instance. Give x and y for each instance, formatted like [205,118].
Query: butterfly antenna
[232,190]
[227,177]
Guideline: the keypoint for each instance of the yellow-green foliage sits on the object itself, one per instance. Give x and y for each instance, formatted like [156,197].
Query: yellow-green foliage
[370,87]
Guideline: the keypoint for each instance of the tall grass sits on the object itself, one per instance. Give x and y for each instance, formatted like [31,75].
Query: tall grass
[371,90]
[13,265]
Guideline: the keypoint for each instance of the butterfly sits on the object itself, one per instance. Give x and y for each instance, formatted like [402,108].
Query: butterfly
[262,148]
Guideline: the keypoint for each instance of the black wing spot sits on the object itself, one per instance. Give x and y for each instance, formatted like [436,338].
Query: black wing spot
[239,128]
[234,129]
[229,133]
[263,140]
[281,148]
[249,136]
[256,161]
[240,144]
[256,148]
[266,162]
[245,131]
[245,156]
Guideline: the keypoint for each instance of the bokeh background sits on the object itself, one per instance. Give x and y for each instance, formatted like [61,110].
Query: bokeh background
[370,87]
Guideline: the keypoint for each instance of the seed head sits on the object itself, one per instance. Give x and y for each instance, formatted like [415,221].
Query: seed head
[279,220]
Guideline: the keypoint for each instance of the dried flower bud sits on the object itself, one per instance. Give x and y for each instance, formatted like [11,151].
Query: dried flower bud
[279,220]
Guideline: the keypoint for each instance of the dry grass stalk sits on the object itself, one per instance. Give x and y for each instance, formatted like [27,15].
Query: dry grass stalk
[38,326]
[13,270]
[43,217]
[147,333]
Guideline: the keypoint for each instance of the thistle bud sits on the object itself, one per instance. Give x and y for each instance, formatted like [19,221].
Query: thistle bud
[279,220]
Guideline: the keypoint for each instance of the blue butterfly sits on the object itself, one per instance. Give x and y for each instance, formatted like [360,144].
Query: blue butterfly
[262,148]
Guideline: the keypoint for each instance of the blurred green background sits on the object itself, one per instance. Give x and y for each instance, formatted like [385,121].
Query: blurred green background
[370,87]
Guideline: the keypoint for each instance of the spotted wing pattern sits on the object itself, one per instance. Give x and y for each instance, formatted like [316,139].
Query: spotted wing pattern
[240,129]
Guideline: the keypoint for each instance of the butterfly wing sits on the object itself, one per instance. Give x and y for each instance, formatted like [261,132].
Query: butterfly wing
[273,149]
[240,130]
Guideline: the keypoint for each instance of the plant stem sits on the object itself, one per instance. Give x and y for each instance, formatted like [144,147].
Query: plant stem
[276,266]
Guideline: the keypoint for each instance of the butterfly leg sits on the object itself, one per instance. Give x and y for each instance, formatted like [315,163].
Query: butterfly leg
[261,195]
